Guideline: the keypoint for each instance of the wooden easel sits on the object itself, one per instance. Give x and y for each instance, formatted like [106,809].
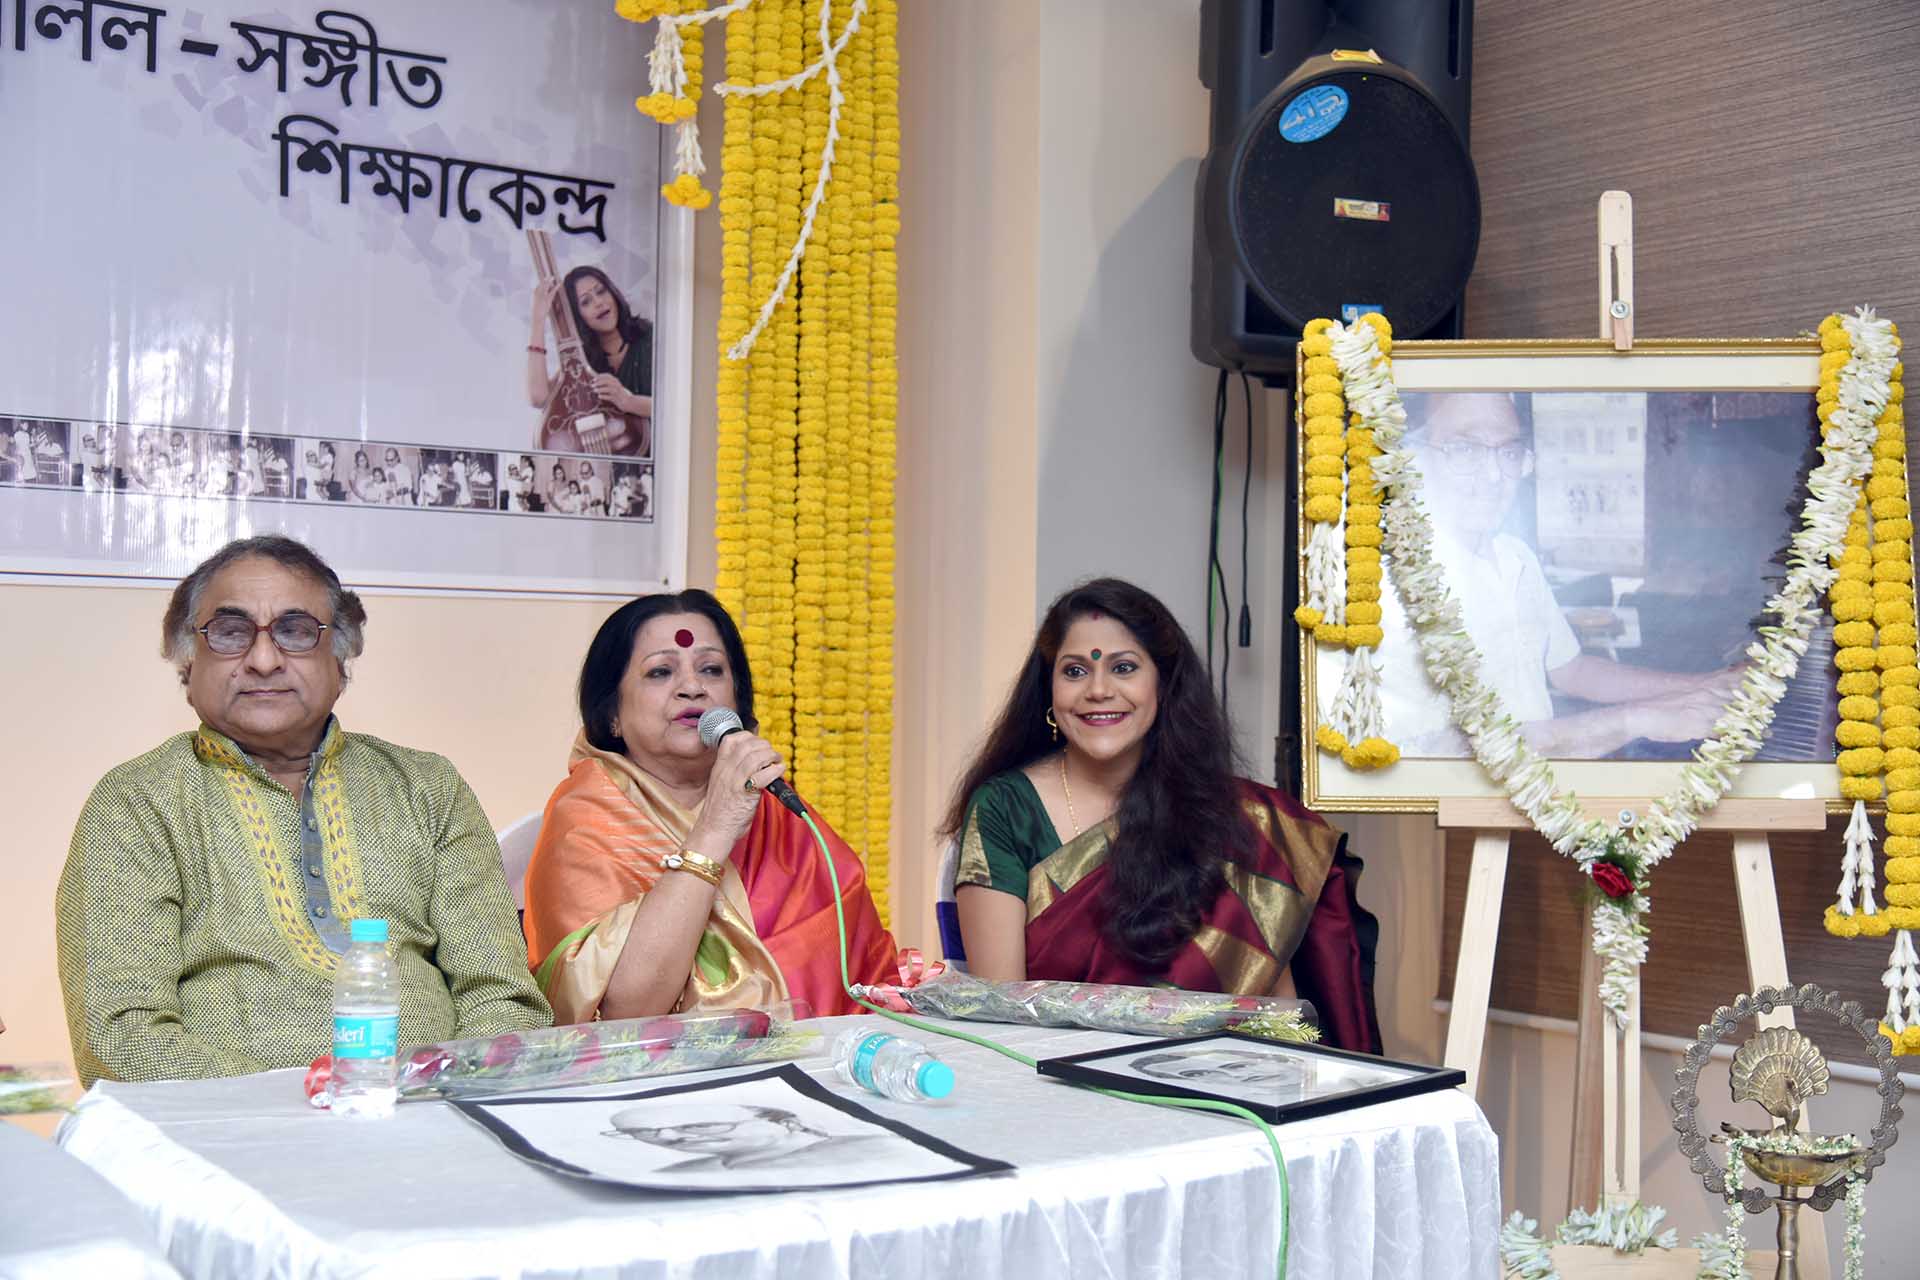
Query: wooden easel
[1616,1052]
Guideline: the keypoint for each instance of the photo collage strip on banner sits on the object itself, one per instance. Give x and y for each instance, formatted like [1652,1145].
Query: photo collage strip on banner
[181,462]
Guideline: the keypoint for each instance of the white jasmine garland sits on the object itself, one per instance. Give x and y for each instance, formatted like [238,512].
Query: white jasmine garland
[1626,1228]
[1327,572]
[1356,713]
[1856,866]
[1498,742]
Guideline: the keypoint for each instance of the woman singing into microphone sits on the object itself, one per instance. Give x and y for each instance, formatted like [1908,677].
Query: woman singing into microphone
[1104,837]
[664,879]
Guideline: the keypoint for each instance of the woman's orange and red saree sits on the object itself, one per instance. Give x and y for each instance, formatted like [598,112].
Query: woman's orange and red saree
[771,936]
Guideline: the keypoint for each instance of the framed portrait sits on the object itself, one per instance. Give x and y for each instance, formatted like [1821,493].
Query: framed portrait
[766,1131]
[1612,525]
[1276,1080]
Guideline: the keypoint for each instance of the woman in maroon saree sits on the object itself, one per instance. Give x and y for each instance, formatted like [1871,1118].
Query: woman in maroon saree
[1104,837]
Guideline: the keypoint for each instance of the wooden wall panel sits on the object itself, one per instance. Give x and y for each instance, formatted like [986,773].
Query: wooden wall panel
[1772,148]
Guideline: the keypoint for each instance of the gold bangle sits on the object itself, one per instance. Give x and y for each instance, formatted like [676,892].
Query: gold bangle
[699,864]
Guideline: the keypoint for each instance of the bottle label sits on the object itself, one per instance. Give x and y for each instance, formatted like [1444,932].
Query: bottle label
[366,1035]
[863,1056]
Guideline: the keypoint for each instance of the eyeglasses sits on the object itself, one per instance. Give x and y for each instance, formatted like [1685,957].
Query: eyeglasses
[230,634]
[668,1132]
[1471,458]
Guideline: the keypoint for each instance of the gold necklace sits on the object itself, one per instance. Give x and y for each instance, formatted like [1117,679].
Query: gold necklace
[1068,788]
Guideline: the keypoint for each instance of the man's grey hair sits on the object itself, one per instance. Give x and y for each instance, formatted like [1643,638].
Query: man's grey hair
[346,626]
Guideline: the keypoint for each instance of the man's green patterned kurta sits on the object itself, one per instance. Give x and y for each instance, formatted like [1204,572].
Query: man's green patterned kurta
[191,946]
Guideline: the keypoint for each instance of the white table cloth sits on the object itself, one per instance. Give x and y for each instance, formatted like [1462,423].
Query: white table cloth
[240,1178]
[59,1220]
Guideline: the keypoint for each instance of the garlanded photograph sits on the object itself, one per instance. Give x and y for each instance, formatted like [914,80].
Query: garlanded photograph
[1612,528]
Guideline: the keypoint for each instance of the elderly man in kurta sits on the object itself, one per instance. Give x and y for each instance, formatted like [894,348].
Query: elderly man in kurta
[208,891]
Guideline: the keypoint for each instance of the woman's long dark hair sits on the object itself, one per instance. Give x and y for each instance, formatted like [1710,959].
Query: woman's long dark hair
[631,327]
[1180,816]
[612,650]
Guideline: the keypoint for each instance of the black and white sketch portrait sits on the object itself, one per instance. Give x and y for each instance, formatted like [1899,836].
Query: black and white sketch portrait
[774,1130]
[731,1135]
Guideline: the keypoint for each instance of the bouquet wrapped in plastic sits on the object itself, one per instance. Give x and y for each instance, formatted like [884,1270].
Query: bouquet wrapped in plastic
[594,1053]
[27,1089]
[1141,1011]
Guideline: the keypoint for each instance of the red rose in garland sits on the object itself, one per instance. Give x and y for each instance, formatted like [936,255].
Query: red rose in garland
[1611,880]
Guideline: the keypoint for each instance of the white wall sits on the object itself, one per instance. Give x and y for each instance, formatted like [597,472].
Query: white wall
[1125,413]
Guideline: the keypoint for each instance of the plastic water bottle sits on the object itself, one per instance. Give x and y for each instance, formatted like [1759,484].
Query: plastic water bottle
[891,1066]
[366,1025]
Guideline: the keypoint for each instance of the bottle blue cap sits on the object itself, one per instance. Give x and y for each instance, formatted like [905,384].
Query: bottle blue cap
[368,930]
[935,1079]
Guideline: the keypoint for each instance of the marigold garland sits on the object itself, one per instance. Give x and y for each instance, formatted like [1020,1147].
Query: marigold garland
[807,391]
[1342,503]
[883,382]
[1874,632]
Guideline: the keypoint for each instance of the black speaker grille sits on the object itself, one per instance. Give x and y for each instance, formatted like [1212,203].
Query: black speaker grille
[1394,148]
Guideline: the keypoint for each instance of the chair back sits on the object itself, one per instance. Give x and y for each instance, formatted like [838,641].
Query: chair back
[946,912]
[517,839]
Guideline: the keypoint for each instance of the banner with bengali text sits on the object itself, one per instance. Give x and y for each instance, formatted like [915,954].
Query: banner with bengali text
[394,280]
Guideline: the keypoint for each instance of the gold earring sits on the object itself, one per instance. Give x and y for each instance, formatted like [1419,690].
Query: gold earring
[1053,725]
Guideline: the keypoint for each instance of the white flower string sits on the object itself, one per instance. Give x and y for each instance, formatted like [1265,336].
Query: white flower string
[1856,865]
[1496,736]
[1902,981]
[1625,1229]
[1736,1208]
[1327,571]
[667,75]
[1356,713]
[1856,1245]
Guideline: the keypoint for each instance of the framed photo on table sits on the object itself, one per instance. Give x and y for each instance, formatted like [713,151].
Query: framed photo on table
[1612,525]
[1275,1079]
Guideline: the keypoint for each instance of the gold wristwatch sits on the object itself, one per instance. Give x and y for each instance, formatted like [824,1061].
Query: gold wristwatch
[699,864]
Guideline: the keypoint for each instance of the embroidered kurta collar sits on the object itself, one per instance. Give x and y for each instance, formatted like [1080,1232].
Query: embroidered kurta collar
[215,747]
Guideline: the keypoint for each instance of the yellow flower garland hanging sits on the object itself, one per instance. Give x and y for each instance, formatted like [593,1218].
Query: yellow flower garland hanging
[807,384]
[1872,603]
[1343,502]
[883,381]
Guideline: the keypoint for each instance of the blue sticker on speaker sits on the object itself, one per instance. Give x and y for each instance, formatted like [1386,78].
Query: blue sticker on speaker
[1314,113]
[1351,311]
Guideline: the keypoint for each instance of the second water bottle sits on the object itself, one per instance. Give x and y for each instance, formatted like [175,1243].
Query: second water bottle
[891,1066]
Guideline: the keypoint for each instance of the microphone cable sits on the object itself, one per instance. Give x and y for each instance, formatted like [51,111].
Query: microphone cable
[1178,1104]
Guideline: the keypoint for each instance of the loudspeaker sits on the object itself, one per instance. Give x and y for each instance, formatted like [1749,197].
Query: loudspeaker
[1337,178]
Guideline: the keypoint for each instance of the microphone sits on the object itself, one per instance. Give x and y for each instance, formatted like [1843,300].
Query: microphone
[716,723]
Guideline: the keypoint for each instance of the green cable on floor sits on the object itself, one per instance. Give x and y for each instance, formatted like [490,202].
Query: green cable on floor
[1182,1104]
